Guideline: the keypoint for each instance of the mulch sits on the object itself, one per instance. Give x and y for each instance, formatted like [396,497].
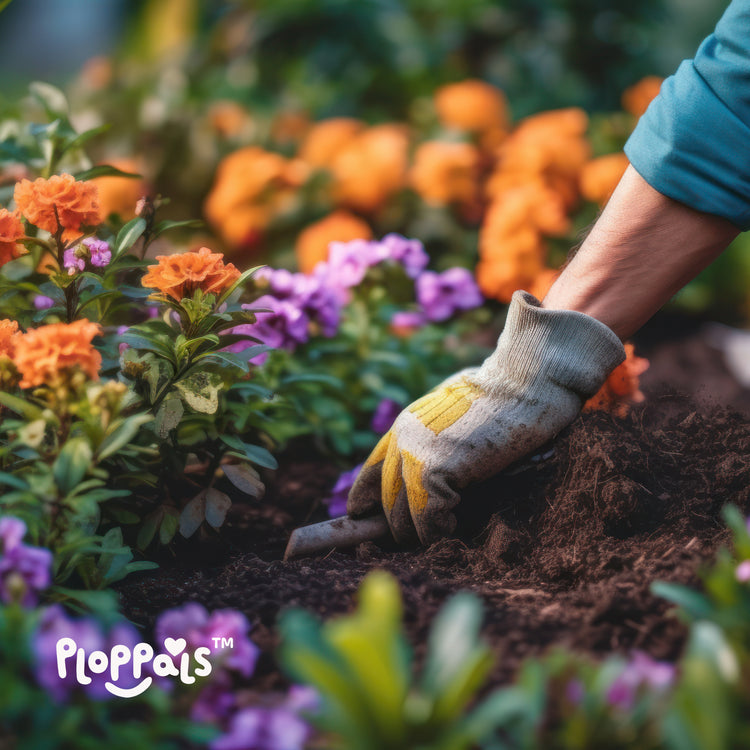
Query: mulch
[562,553]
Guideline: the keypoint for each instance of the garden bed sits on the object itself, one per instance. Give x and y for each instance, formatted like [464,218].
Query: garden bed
[562,553]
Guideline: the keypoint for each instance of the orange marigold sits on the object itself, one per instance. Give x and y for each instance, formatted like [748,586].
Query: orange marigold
[119,195]
[326,138]
[371,167]
[180,275]
[341,226]
[43,202]
[252,186]
[44,354]
[445,173]
[622,387]
[600,176]
[11,231]
[551,147]
[472,105]
[8,336]
[636,98]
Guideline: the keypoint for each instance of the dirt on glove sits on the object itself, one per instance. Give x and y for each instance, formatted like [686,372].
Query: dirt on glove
[562,552]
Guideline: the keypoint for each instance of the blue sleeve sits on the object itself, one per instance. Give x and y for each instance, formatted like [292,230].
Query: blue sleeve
[693,142]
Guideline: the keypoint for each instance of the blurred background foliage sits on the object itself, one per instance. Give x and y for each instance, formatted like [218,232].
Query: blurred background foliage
[183,83]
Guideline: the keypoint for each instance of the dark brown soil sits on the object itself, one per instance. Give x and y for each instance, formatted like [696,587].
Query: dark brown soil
[562,553]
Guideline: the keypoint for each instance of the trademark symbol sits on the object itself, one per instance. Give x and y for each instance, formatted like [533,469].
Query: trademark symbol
[223,642]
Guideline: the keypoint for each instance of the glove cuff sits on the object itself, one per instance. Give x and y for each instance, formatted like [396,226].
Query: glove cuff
[539,348]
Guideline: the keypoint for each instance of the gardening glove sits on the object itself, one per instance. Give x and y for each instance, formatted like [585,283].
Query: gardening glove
[547,364]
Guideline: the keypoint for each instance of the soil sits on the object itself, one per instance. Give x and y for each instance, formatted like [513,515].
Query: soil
[562,552]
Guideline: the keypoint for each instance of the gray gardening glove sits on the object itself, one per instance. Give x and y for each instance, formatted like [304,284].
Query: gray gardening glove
[547,364]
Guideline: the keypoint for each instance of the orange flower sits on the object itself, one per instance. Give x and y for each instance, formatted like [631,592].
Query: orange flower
[43,202]
[8,335]
[622,387]
[445,173]
[340,226]
[44,354]
[371,167]
[326,138]
[472,105]
[600,176]
[543,282]
[551,147]
[229,119]
[118,195]
[637,97]
[251,188]
[179,276]
[11,230]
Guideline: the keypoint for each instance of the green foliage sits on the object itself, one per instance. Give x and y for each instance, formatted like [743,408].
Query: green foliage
[361,666]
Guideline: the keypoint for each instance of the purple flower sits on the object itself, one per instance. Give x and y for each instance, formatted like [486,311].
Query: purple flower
[53,626]
[442,294]
[641,670]
[215,701]
[300,306]
[42,302]
[409,253]
[193,623]
[385,415]
[72,261]
[339,494]
[24,570]
[99,251]
[266,728]
[742,573]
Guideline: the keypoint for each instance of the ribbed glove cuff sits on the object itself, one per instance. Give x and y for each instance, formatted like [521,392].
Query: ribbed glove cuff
[540,347]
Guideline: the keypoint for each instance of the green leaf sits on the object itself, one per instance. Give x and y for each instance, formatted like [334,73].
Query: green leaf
[313,377]
[86,136]
[240,282]
[167,226]
[169,526]
[129,235]
[245,479]
[18,405]
[121,433]
[72,463]
[148,530]
[169,415]
[103,170]
[51,98]
[193,515]
[200,391]
[689,601]
[217,507]
[254,453]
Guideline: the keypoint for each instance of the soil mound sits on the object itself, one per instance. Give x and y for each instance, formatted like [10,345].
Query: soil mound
[562,551]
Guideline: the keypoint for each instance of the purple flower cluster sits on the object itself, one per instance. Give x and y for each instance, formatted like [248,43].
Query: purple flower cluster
[199,628]
[24,570]
[299,305]
[337,501]
[42,302]
[271,728]
[440,295]
[640,671]
[348,262]
[87,634]
[96,251]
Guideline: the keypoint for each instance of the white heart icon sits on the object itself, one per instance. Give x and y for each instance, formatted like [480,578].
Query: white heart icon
[175,645]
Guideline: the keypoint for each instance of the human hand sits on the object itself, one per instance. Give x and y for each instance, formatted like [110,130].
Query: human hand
[546,365]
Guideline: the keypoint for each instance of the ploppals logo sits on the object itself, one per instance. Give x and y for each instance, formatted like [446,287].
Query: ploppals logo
[135,667]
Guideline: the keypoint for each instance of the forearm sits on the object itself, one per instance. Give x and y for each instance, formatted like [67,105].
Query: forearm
[642,250]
